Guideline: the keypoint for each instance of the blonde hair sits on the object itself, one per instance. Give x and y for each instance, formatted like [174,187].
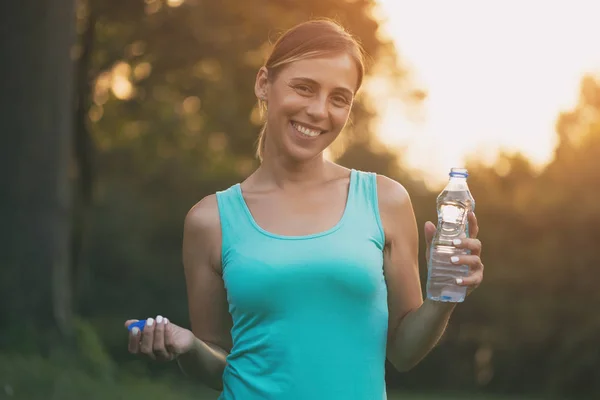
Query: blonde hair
[306,40]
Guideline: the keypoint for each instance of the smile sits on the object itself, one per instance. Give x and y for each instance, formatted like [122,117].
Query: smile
[306,131]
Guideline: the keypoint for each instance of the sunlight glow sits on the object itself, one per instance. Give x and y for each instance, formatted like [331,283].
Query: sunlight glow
[152,6]
[497,74]
[142,71]
[191,104]
[174,3]
[121,87]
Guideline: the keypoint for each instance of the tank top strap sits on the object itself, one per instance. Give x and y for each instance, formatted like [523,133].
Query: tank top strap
[232,213]
[365,205]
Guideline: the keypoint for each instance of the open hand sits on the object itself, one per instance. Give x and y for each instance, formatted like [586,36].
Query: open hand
[160,339]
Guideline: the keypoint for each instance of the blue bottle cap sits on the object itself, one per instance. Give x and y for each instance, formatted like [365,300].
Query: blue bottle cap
[139,324]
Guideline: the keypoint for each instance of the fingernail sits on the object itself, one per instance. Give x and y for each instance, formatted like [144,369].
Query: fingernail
[457,242]
[459,281]
[166,321]
[454,259]
[149,321]
[135,331]
[159,319]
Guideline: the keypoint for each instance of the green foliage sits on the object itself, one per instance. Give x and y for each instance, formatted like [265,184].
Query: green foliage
[36,378]
[92,353]
[528,328]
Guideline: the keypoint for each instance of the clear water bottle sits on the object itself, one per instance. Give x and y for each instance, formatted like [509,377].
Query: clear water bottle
[453,206]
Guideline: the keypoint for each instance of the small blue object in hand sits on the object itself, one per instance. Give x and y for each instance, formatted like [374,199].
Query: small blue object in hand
[139,324]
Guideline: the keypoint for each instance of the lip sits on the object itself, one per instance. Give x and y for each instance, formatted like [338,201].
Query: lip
[314,128]
[302,137]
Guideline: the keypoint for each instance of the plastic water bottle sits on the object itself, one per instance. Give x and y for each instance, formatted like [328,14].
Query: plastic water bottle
[453,206]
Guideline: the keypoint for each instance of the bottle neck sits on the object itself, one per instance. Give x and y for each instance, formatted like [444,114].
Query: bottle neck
[457,183]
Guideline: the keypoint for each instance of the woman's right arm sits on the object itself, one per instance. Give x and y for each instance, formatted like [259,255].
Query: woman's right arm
[207,300]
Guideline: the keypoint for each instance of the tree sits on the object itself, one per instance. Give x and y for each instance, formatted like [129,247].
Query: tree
[37,113]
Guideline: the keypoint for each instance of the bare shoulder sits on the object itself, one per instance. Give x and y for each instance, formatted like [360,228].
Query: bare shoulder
[202,230]
[204,215]
[391,194]
[395,206]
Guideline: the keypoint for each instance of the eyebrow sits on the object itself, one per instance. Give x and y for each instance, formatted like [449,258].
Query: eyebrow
[312,81]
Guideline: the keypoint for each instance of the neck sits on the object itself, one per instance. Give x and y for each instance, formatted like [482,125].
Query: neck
[282,171]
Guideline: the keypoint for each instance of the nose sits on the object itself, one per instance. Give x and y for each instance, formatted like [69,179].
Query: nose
[317,108]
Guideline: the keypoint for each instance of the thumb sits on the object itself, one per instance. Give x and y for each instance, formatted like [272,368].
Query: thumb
[429,230]
[129,322]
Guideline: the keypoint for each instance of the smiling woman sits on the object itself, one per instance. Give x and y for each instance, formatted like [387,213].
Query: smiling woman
[304,277]
[309,104]
[304,50]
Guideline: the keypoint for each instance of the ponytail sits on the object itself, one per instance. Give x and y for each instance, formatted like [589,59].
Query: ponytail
[261,142]
[262,108]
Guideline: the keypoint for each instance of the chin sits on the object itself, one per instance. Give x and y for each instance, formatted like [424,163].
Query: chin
[304,148]
[299,155]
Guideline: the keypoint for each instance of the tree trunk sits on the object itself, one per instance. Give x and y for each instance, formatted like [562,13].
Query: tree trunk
[36,109]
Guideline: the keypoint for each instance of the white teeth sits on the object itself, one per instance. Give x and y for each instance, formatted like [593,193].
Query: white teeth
[306,131]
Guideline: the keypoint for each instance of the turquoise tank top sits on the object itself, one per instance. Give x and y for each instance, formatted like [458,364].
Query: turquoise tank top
[309,312]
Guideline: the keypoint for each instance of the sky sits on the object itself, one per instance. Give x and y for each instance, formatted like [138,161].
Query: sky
[497,74]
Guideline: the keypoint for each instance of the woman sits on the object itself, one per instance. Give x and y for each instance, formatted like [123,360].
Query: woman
[304,278]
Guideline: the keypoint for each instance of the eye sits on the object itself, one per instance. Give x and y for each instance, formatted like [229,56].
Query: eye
[303,89]
[340,100]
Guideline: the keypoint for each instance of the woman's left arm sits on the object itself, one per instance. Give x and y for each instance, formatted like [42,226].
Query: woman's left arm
[415,326]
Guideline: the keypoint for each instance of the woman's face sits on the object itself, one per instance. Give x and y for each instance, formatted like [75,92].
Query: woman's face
[308,104]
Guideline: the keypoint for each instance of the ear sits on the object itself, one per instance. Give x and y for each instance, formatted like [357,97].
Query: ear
[261,85]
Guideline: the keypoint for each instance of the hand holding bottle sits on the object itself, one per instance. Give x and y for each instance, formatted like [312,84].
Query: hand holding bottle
[453,250]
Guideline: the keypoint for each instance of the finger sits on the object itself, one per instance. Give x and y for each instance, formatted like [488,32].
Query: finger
[473,225]
[134,341]
[158,346]
[473,280]
[148,338]
[473,245]
[429,230]
[473,261]
[169,337]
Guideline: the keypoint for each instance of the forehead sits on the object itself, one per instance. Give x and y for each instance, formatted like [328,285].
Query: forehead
[329,71]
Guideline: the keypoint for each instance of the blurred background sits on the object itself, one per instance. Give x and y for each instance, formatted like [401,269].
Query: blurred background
[118,116]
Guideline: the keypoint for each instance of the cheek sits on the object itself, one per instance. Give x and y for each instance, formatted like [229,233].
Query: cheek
[292,103]
[340,116]
[280,108]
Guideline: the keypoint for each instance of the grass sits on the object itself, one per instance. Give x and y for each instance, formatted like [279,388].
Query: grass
[34,378]
[442,396]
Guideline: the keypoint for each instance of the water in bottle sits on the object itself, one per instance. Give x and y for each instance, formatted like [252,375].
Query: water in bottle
[453,206]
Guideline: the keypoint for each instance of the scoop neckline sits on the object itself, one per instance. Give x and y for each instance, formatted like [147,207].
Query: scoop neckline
[328,231]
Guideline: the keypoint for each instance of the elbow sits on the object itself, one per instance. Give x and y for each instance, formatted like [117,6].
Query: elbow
[402,364]
[403,359]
